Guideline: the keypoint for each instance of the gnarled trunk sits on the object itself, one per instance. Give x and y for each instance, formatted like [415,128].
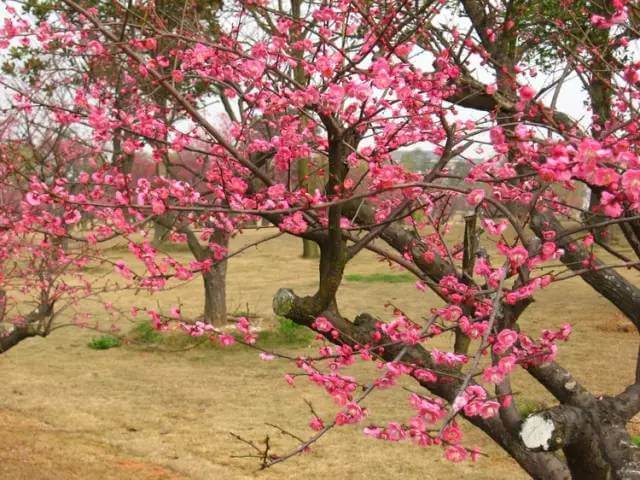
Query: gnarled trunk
[594,439]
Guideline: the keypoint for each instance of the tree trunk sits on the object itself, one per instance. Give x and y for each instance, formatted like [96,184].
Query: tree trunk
[159,234]
[215,301]
[595,442]
[30,327]
[14,337]
[310,249]
[600,93]
[215,285]
[214,280]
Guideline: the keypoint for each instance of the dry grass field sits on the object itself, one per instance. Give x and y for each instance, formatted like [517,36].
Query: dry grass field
[71,412]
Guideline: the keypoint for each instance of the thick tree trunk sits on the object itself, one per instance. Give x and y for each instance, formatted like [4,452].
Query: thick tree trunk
[215,299]
[594,439]
[159,234]
[214,280]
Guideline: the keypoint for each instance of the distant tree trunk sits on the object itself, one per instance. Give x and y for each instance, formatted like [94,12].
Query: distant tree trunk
[160,233]
[600,91]
[215,280]
[215,300]
[310,249]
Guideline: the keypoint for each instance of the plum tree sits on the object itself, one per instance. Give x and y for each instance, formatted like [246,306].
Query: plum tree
[354,83]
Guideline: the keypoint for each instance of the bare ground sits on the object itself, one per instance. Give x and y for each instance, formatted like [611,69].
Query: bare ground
[69,412]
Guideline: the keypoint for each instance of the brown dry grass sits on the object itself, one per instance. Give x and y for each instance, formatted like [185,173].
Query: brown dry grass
[69,412]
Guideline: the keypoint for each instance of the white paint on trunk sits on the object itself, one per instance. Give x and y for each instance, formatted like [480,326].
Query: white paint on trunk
[536,432]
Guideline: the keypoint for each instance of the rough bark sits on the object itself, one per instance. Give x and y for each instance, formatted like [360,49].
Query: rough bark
[594,440]
[215,280]
[15,336]
[215,299]
[160,233]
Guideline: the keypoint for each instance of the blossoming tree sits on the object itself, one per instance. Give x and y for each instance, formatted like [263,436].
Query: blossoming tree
[353,82]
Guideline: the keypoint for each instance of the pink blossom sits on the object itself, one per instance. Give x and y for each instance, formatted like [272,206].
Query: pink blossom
[526,93]
[455,453]
[252,69]
[494,228]
[449,359]
[394,432]
[72,217]
[353,413]
[121,268]
[475,197]
[619,17]
[226,340]
[425,376]
[321,324]
[517,255]
[294,224]
[548,250]
[489,409]
[243,325]
[177,76]
[452,434]
[504,340]
[158,206]
[32,199]
[631,184]
[316,424]
[381,74]
[492,375]
[374,432]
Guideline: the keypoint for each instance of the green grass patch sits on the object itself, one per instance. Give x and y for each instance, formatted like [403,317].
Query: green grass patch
[144,335]
[380,278]
[105,342]
[286,332]
[144,332]
[636,440]
[529,407]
